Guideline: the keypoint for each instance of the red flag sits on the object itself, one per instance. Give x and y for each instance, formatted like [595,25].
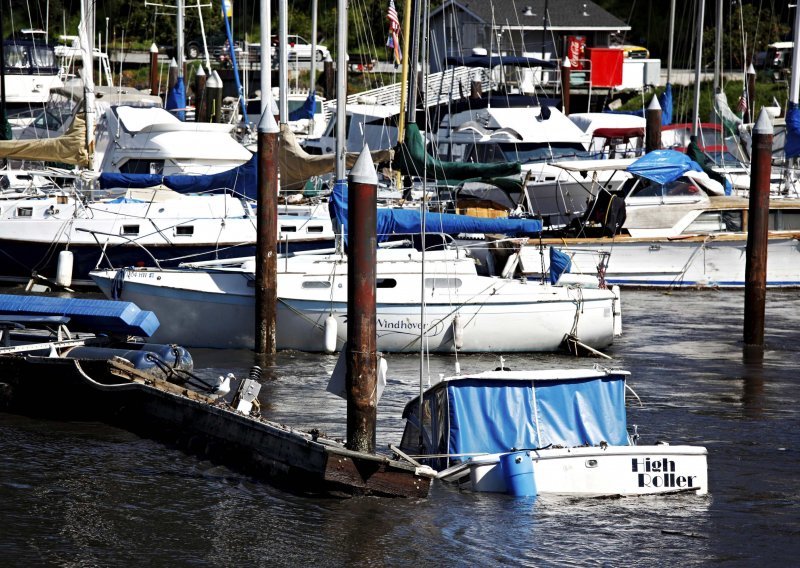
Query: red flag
[741,105]
[394,31]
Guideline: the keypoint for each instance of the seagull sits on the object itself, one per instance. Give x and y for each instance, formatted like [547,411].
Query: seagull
[224,386]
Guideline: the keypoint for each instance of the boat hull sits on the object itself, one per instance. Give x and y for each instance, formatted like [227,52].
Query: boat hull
[613,470]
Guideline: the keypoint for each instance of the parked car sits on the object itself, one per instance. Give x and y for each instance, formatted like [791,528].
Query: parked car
[300,49]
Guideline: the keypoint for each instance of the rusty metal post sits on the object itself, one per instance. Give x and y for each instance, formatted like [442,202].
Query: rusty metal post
[172,77]
[751,94]
[755,285]
[154,69]
[566,71]
[653,126]
[200,101]
[361,356]
[267,236]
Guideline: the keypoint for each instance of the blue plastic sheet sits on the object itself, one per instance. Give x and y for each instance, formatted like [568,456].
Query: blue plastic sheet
[176,99]
[409,221]
[663,166]
[306,110]
[792,147]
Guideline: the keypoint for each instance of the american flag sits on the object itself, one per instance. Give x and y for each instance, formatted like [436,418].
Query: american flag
[394,31]
[741,105]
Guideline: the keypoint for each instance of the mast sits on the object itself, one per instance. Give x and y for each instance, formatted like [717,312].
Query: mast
[413,61]
[179,31]
[698,61]
[341,86]
[86,38]
[266,53]
[401,123]
[312,86]
[671,38]
[718,50]
[794,86]
[283,54]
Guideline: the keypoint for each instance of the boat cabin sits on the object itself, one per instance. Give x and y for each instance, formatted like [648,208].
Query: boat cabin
[31,70]
[496,411]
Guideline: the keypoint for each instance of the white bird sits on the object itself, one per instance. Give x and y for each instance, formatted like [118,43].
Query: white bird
[224,386]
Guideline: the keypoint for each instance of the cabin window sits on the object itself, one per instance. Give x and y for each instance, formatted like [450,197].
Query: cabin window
[385,283]
[314,229]
[316,284]
[24,211]
[716,222]
[136,166]
[129,230]
[442,282]
[288,229]
[784,220]
[184,231]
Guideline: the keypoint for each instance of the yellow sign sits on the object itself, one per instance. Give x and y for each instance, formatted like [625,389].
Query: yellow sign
[227,7]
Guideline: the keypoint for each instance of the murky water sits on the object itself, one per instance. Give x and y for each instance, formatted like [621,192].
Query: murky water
[85,494]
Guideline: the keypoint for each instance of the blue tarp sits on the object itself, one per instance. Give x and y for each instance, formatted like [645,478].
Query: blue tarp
[663,166]
[306,110]
[792,147]
[492,415]
[560,263]
[176,99]
[487,61]
[665,100]
[242,180]
[409,221]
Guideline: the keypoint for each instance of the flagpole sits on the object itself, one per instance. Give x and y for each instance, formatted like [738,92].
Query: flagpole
[401,122]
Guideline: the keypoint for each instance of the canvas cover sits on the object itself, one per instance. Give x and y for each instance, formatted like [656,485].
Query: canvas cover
[792,146]
[413,159]
[176,99]
[306,110]
[663,166]
[409,221]
[69,148]
[478,415]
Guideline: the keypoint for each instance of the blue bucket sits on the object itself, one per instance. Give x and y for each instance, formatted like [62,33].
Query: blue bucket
[518,474]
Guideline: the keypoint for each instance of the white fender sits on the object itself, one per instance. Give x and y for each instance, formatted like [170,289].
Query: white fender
[617,311]
[458,332]
[64,268]
[331,334]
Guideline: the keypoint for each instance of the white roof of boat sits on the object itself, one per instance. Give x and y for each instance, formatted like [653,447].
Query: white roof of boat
[595,165]
[540,375]
[590,121]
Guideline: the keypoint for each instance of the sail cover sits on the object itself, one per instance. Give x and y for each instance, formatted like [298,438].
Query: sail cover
[663,166]
[792,147]
[69,148]
[409,221]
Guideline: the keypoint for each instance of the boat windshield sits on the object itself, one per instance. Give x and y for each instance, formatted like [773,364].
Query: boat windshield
[680,186]
[29,58]
[528,152]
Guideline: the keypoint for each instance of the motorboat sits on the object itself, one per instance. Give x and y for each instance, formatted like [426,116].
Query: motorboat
[212,305]
[679,229]
[559,431]
[30,69]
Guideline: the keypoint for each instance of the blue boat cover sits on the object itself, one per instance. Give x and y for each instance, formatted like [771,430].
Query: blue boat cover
[409,221]
[493,415]
[241,179]
[306,110]
[664,99]
[488,61]
[792,147]
[560,263]
[176,99]
[99,316]
[663,166]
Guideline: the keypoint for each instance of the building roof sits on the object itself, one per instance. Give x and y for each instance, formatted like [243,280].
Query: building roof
[564,14]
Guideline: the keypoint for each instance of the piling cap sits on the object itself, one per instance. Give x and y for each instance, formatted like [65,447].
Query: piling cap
[751,70]
[654,104]
[566,62]
[273,106]
[173,63]
[364,169]
[267,124]
[217,77]
[763,124]
[200,72]
[213,81]
[153,48]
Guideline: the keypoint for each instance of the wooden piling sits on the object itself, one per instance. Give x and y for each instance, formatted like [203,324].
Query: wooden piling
[361,355]
[755,286]
[267,236]
[172,78]
[653,126]
[330,78]
[566,70]
[214,97]
[154,69]
[200,101]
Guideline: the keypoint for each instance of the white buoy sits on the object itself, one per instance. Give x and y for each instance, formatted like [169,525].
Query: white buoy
[458,332]
[617,311]
[383,369]
[330,334]
[64,268]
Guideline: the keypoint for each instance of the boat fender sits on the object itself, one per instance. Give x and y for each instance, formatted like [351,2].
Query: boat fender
[617,310]
[64,268]
[458,332]
[331,334]
[517,467]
